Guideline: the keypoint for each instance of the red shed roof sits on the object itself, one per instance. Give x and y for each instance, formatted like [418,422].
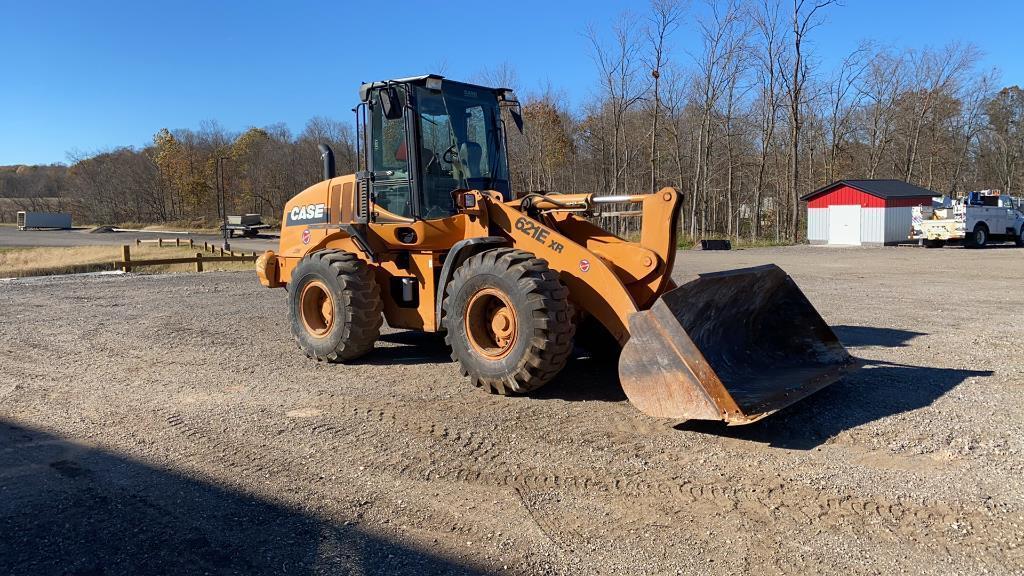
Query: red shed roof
[879,188]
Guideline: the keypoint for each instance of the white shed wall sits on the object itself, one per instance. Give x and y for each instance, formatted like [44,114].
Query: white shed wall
[872,225]
[817,225]
[897,224]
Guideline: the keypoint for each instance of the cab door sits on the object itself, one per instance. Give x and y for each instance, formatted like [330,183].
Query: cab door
[390,157]
[1008,215]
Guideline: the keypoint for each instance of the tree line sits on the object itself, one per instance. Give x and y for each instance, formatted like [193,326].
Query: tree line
[743,125]
[183,175]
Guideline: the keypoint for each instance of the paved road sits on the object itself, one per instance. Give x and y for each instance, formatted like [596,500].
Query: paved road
[167,424]
[11,236]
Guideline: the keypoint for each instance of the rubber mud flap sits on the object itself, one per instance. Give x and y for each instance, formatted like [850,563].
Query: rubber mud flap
[734,345]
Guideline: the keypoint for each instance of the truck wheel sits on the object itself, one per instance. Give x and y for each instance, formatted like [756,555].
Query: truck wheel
[1019,240]
[979,238]
[335,306]
[508,321]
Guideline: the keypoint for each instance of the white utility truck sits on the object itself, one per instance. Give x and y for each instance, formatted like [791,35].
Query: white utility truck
[976,220]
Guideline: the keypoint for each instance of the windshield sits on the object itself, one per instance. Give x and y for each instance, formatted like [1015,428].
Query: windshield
[462,145]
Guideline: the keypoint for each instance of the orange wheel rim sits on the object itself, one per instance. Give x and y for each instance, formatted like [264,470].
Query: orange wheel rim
[316,307]
[491,324]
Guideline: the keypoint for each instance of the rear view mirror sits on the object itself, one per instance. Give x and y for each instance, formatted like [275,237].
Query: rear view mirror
[390,103]
[517,117]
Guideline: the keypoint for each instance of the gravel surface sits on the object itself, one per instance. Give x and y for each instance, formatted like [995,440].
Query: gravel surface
[168,424]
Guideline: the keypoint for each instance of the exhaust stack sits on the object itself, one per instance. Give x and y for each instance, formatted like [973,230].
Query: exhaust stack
[327,156]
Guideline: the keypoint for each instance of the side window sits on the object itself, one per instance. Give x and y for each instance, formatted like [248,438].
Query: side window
[390,152]
[476,163]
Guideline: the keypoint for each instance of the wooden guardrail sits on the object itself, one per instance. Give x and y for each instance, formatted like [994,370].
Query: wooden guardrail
[189,242]
[127,264]
[161,242]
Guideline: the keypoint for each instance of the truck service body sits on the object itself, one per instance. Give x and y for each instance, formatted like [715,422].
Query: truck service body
[975,220]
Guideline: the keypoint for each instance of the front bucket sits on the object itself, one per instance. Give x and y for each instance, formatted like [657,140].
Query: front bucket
[734,346]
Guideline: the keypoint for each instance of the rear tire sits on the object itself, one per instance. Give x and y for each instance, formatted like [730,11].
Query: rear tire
[334,305]
[508,321]
[1019,240]
[979,238]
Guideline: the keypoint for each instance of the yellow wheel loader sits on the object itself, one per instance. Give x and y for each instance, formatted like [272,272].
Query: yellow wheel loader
[428,235]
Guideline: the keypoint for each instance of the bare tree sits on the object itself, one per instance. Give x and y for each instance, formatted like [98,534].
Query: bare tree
[934,73]
[805,18]
[841,97]
[767,54]
[969,124]
[617,66]
[880,86]
[665,19]
[722,36]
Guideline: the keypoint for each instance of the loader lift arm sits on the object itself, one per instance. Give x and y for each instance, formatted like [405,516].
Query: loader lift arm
[607,276]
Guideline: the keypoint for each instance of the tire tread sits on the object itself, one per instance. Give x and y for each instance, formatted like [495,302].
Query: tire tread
[551,342]
[361,302]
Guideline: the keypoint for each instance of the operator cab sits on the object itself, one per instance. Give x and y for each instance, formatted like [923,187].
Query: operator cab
[427,137]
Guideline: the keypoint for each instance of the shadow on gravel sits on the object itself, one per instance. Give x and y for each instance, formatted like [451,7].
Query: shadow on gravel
[879,390]
[858,336]
[69,509]
[408,347]
[585,378]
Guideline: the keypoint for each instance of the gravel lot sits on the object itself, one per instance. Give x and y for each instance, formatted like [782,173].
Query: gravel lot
[168,424]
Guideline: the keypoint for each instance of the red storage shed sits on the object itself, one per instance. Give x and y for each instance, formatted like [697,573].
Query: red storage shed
[863,212]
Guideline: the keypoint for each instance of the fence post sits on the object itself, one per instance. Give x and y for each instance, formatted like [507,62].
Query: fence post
[160,242]
[221,251]
[191,243]
[138,242]
[199,261]
[177,242]
[126,256]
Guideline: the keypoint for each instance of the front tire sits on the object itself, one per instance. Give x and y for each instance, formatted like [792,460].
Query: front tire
[334,305]
[508,321]
[1019,240]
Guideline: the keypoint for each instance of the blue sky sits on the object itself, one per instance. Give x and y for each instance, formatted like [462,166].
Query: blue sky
[88,76]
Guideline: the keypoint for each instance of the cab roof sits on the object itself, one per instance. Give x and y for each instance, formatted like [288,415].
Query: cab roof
[365,88]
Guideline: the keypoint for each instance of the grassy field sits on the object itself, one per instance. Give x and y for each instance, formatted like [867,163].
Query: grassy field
[19,262]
